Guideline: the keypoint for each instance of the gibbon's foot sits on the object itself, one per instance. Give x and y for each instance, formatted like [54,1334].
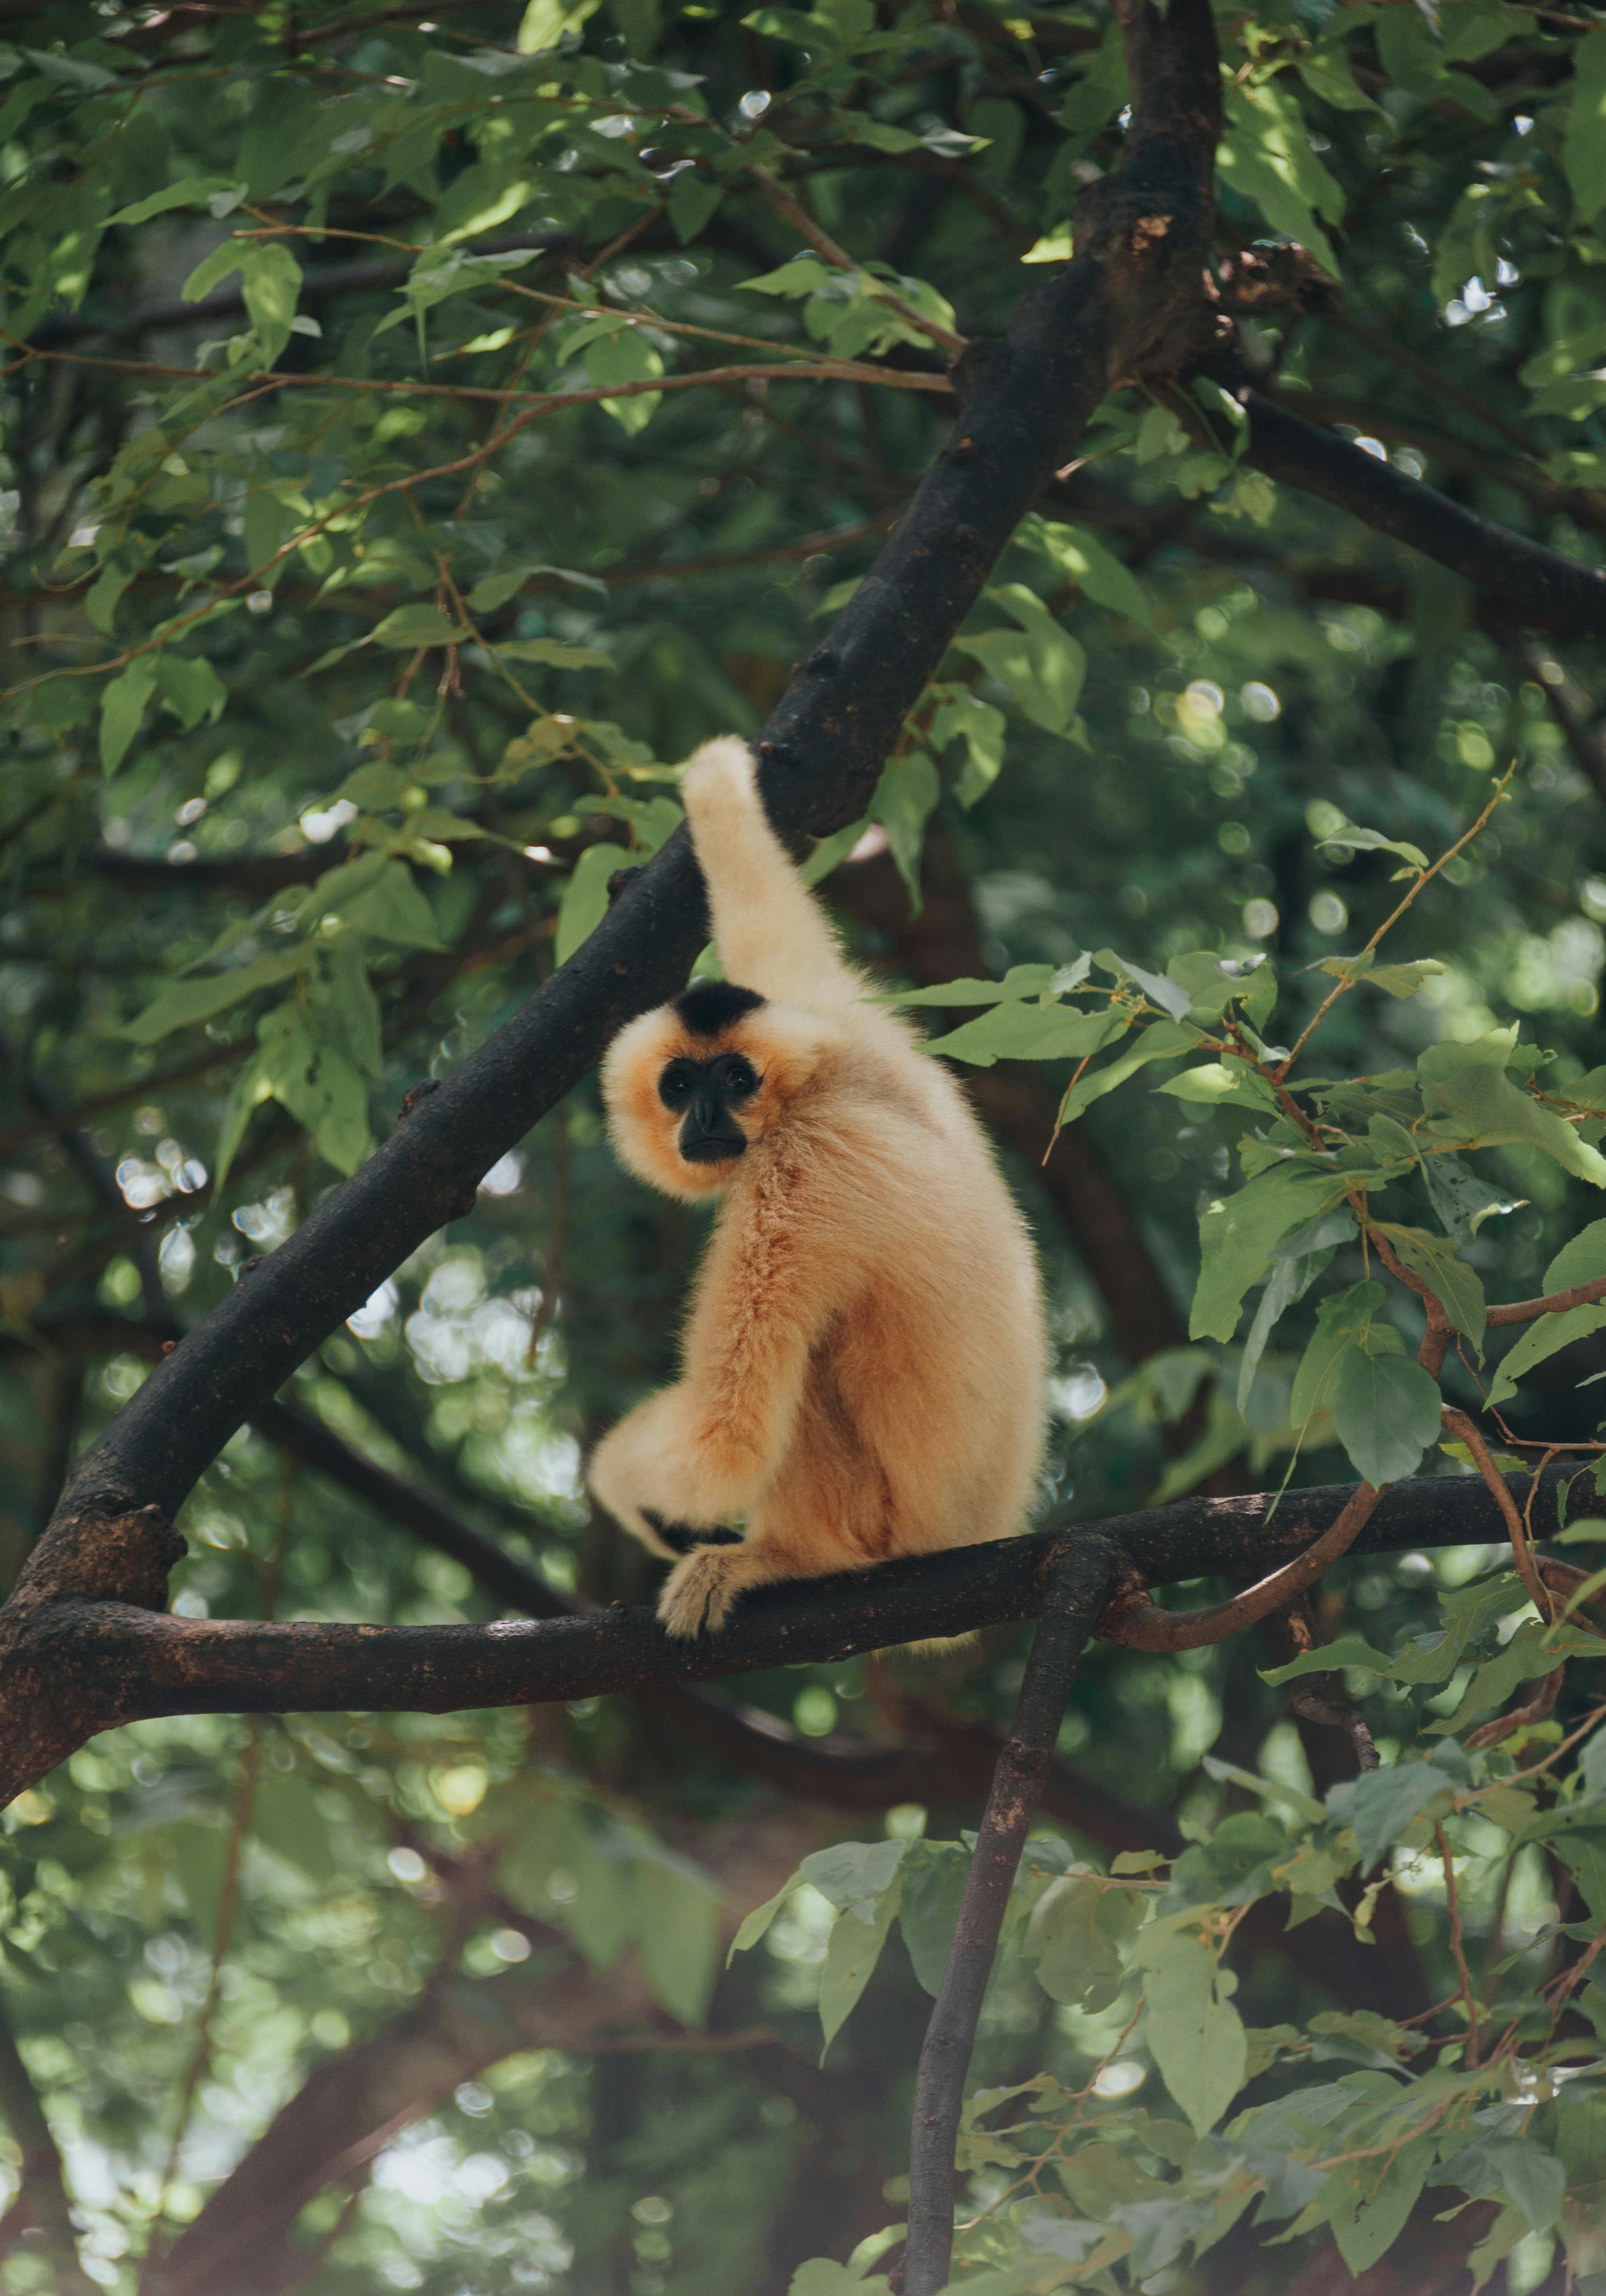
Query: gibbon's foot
[699,1592]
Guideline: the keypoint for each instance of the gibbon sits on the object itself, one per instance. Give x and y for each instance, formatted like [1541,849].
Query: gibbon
[864,1364]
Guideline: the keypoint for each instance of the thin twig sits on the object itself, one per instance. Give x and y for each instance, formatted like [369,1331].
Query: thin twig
[822,244]
[1075,1594]
[1131,1619]
[1468,1992]
[1424,877]
[1458,1425]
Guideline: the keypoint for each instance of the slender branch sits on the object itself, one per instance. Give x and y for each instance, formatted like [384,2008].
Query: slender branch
[1519,1718]
[1468,1992]
[1080,1578]
[1457,1424]
[1548,590]
[1554,1303]
[821,240]
[1131,1619]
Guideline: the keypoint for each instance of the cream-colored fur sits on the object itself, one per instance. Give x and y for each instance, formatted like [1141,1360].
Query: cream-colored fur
[863,1367]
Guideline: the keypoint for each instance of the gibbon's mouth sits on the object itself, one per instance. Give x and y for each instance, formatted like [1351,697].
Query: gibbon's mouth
[720,1146]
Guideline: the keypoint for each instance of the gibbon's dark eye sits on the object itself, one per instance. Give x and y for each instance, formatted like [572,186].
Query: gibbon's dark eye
[737,1076]
[677,1085]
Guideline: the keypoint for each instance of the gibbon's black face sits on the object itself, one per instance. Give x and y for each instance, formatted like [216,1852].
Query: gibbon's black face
[709,1092]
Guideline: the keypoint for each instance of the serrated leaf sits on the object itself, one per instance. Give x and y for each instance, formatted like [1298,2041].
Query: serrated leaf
[1386,1411]
[1388,1801]
[418,625]
[1237,1237]
[186,1002]
[1194,2034]
[1546,1336]
[1454,1283]
[1018,1031]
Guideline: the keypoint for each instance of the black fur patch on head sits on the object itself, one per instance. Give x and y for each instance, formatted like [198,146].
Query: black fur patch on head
[709,1007]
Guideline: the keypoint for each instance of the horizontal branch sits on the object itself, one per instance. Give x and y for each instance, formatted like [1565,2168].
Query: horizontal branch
[91,1651]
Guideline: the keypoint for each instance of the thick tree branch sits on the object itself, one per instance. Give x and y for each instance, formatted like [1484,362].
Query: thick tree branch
[84,1646]
[1131,292]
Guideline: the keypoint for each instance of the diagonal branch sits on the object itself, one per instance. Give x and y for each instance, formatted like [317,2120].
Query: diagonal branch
[1131,295]
[1551,591]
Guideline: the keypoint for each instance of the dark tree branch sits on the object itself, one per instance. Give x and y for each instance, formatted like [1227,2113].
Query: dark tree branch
[1130,297]
[1081,1573]
[1548,590]
[84,1644]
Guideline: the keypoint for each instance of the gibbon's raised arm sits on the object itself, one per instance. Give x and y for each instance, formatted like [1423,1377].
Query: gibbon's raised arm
[770,932]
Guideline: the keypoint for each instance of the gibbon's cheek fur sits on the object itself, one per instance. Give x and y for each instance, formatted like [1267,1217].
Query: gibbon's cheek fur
[863,1365]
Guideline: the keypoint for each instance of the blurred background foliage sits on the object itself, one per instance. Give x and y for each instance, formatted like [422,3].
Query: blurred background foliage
[337,698]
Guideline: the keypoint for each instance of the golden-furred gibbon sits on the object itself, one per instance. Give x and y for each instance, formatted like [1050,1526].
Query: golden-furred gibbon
[863,1365]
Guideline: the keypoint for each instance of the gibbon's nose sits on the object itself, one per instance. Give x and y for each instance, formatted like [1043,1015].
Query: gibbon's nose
[710,1133]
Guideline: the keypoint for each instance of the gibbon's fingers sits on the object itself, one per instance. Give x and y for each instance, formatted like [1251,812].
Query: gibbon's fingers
[698,1594]
[769,930]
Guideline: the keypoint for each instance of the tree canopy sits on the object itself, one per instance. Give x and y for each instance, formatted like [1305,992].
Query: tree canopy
[1139,477]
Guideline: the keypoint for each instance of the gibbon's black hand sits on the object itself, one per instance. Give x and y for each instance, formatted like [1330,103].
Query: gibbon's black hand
[683,1538]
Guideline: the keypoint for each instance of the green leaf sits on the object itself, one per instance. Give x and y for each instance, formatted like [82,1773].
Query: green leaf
[1447,1276]
[1082,558]
[1042,664]
[1194,2034]
[1386,1411]
[391,908]
[584,902]
[213,269]
[1161,1040]
[1545,1337]
[1266,155]
[1074,1938]
[1462,1200]
[1021,980]
[1581,1260]
[1584,149]
[417,626]
[271,279]
[677,1932]
[122,708]
[905,797]
[627,356]
[965,716]
[1368,2201]
[1512,2169]
[544,23]
[1344,1320]
[934,1875]
[552,654]
[1369,840]
[1237,1236]
[854,1875]
[1471,1103]
[190,192]
[851,1953]
[186,1002]
[1291,1277]
[190,688]
[1388,1801]
[1029,1032]
[1219,1084]
[755,1924]
[821,2276]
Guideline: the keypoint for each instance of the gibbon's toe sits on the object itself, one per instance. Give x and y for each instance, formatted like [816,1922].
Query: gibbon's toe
[697,1597]
[718,769]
